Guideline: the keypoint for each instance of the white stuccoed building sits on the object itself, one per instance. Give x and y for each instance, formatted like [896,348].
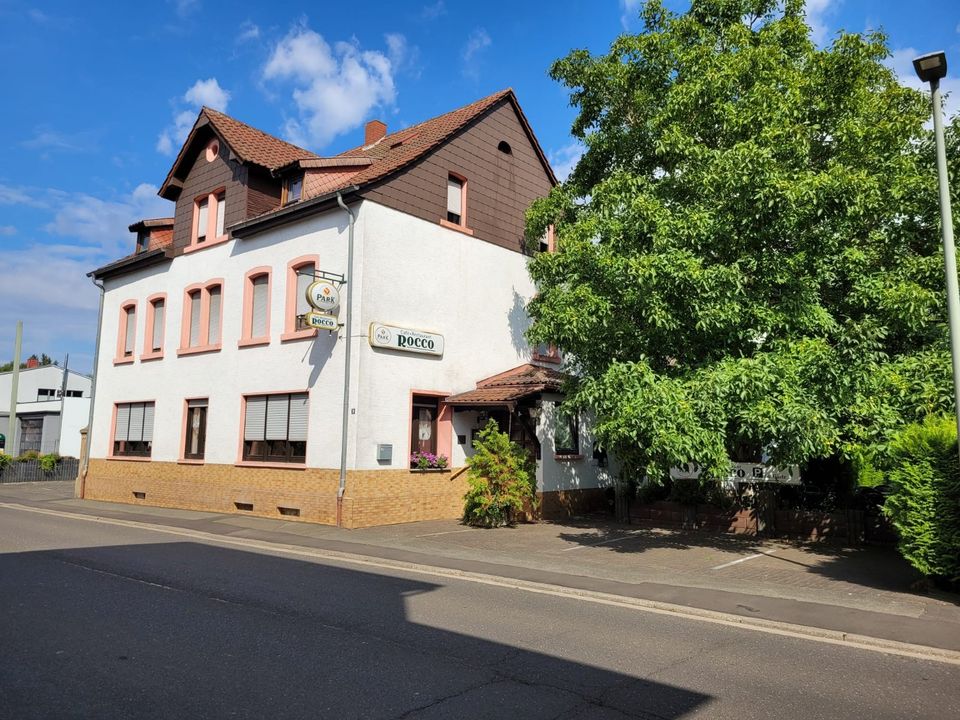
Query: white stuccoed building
[211,391]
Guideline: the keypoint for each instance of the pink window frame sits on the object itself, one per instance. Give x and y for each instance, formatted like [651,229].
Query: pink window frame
[119,358]
[148,351]
[462,227]
[243,416]
[212,238]
[246,333]
[444,424]
[205,345]
[290,331]
[113,432]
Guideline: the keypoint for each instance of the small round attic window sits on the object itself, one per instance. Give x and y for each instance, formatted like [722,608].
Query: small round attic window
[504,147]
[213,149]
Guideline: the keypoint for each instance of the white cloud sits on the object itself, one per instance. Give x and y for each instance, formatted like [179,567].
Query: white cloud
[203,92]
[817,10]
[565,159]
[8,230]
[186,7]
[248,31]
[477,42]
[901,62]
[629,10]
[45,281]
[432,12]
[208,92]
[10,195]
[334,88]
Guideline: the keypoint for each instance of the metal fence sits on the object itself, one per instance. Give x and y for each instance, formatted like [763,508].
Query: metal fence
[30,471]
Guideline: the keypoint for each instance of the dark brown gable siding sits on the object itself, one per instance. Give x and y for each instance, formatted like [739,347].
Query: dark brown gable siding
[205,177]
[263,192]
[500,187]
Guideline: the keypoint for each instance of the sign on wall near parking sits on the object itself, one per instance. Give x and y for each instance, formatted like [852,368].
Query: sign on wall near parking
[392,337]
[744,473]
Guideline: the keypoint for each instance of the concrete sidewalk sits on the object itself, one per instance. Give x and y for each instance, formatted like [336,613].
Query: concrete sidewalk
[861,591]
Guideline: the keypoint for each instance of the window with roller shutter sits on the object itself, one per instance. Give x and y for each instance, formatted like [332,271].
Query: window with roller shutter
[275,428]
[133,429]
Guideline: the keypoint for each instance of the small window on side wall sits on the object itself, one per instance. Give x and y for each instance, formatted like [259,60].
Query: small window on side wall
[566,433]
[455,200]
[196,435]
[203,208]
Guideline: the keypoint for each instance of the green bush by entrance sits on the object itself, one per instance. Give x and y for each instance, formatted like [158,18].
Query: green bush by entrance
[502,479]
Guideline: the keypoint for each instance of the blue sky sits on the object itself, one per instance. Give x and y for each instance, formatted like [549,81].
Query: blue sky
[96,98]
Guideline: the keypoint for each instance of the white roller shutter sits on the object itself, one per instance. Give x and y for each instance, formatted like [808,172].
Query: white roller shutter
[123,422]
[277,413]
[130,331]
[254,418]
[299,412]
[195,318]
[148,422]
[221,205]
[303,282]
[202,221]
[454,196]
[261,292]
[213,332]
[136,422]
[159,317]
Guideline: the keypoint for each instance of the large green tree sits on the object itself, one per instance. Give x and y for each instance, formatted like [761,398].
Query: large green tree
[749,251]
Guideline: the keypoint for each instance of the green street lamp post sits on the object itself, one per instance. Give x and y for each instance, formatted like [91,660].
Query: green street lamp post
[931,68]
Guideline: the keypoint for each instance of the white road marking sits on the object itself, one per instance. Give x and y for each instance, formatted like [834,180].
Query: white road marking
[744,559]
[772,627]
[446,532]
[602,542]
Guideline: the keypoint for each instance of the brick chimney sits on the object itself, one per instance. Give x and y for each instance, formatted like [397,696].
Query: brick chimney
[374,131]
[32,362]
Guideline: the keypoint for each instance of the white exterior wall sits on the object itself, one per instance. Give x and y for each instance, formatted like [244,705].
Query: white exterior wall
[410,273]
[224,376]
[31,380]
[556,475]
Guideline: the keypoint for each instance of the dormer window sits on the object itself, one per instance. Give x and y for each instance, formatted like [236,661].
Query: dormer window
[143,241]
[209,220]
[293,188]
[203,209]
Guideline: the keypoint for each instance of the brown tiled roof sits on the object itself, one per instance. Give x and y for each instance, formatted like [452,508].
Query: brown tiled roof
[510,386]
[151,223]
[254,145]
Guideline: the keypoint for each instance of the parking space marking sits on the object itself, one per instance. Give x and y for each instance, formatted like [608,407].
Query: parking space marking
[744,559]
[602,542]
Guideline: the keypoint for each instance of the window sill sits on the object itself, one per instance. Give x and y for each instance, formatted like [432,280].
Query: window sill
[253,342]
[568,458]
[206,244]
[275,465]
[146,357]
[198,350]
[299,335]
[186,461]
[130,458]
[453,226]
[123,360]
[430,470]
[555,359]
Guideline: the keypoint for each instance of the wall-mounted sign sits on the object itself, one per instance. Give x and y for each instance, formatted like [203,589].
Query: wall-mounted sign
[321,320]
[324,296]
[405,339]
[744,473]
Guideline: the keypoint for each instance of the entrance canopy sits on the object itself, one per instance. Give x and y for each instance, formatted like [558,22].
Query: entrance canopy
[508,388]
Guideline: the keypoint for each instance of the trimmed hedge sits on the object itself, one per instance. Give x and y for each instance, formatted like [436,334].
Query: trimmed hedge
[924,500]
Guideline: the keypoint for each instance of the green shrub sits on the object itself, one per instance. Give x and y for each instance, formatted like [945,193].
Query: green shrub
[924,503]
[28,456]
[5,460]
[501,477]
[48,463]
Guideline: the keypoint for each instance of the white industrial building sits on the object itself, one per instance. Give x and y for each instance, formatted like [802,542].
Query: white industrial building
[47,420]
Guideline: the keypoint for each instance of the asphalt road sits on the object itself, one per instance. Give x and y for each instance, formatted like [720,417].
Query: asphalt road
[101,621]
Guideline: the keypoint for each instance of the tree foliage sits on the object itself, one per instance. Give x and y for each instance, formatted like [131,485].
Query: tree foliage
[749,251]
[501,479]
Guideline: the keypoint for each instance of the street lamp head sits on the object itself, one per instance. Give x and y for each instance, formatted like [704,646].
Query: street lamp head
[931,66]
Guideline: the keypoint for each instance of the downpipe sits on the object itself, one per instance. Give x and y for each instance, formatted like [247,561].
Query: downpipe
[348,334]
[93,393]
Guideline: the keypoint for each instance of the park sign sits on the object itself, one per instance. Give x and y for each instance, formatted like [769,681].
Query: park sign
[405,339]
[321,321]
[324,296]
[741,472]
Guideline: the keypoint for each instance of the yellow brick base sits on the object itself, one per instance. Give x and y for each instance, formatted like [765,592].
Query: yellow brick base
[372,497]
